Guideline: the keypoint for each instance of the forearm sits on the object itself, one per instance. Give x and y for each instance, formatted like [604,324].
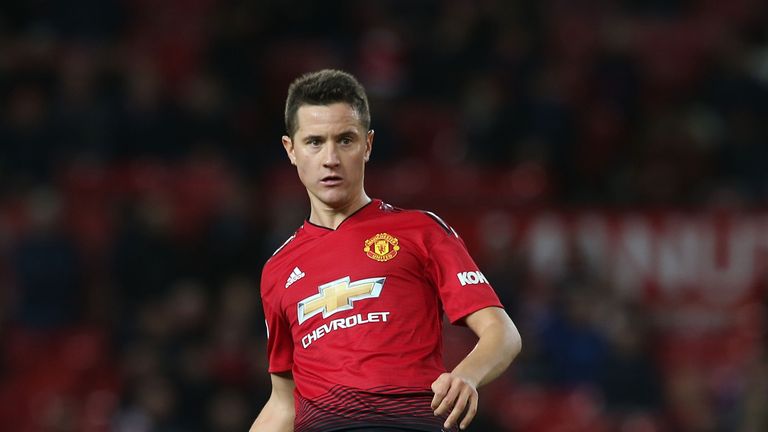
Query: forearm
[279,412]
[274,417]
[497,346]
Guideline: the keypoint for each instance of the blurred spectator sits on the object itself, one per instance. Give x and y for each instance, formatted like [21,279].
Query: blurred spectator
[229,412]
[27,134]
[152,407]
[574,348]
[47,268]
[629,365]
[146,260]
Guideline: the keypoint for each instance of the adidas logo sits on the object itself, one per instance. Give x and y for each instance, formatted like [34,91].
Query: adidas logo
[296,274]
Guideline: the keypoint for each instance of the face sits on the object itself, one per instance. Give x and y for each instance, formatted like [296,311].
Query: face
[330,149]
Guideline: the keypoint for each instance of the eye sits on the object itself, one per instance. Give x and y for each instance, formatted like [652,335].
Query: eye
[314,142]
[346,140]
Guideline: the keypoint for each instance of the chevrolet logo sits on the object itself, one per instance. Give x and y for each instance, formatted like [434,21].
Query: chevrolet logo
[338,296]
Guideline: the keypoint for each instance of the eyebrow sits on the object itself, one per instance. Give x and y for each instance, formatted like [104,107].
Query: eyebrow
[313,137]
[344,133]
[347,132]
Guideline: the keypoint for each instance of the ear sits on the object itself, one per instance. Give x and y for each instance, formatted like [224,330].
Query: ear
[288,145]
[368,145]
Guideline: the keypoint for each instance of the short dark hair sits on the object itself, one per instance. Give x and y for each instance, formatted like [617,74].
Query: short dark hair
[325,87]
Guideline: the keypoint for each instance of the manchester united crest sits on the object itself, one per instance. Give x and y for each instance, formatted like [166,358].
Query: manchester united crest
[381,247]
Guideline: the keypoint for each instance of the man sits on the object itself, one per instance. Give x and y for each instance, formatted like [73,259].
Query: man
[354,299]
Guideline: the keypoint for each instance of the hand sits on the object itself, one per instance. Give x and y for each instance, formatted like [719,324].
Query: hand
[456,395]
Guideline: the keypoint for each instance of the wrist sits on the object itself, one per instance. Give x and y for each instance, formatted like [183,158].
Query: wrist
[466,377]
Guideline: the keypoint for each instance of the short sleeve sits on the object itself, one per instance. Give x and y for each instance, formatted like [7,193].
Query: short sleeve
[462,287]
[279,339]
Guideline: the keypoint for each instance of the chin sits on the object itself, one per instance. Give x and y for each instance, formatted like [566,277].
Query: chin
[334,200]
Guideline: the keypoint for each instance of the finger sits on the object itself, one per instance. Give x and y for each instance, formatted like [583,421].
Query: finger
[458,408]
[440,388]
[448,401]
[471,412]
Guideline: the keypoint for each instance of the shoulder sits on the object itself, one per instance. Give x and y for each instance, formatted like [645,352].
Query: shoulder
[284,245]
[440,222]
[424,220]
[279,258]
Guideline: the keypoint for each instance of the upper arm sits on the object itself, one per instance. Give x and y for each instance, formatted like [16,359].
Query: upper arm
[280,408]
[282,388]
[279,338]
[492,319]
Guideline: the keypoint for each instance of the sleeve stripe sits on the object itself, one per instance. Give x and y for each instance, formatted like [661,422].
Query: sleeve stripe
[442,223]
[283,245]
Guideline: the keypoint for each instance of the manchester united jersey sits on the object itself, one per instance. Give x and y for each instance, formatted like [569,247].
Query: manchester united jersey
[356,315]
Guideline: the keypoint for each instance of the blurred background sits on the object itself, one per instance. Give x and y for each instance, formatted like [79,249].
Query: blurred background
[605,161]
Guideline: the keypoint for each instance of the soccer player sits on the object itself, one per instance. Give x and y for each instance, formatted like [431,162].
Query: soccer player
[354,299]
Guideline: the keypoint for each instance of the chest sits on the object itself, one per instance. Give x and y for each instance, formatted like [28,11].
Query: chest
[352,272]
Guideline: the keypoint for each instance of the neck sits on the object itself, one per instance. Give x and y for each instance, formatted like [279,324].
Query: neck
[331,217]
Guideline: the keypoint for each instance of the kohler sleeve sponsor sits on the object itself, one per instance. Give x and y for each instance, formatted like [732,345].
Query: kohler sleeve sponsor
[471,278]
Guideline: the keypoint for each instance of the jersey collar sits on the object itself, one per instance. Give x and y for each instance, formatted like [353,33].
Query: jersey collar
[360,214]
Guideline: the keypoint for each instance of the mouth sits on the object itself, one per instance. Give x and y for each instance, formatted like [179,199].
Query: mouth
[331,180]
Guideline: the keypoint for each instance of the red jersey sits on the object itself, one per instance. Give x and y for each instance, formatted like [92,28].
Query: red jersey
[356,315]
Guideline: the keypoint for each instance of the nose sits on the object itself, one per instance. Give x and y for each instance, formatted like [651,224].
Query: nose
[331,156]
